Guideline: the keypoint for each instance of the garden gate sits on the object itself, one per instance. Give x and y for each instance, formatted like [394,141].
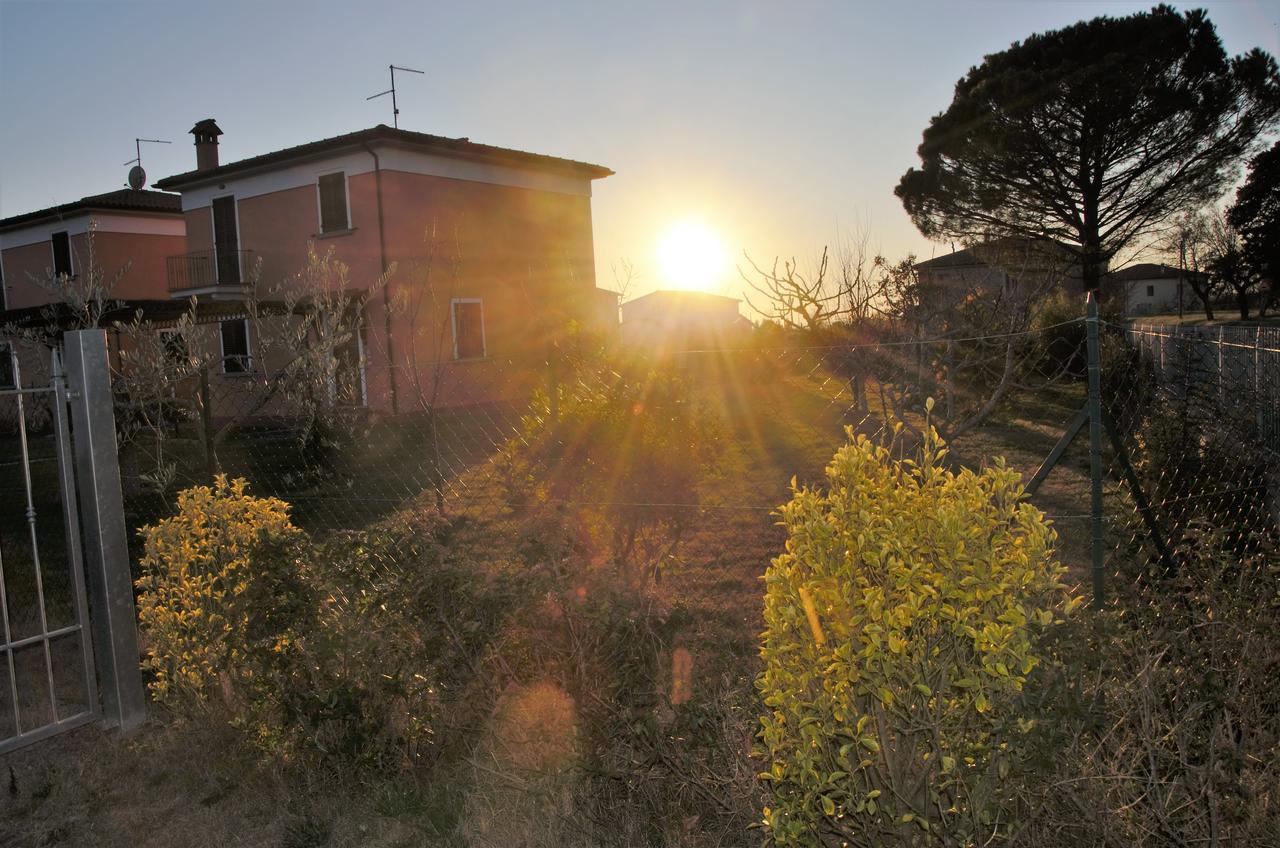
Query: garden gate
[68,645]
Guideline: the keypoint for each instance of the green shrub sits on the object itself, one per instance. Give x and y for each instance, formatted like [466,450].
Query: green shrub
[222,595]
[901,626]
[339,653]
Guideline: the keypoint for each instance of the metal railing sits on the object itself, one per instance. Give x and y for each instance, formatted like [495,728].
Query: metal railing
[203,269]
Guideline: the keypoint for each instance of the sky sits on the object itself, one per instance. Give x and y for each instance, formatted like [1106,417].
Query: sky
[774,126]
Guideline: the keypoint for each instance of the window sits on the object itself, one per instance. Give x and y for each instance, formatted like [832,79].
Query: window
[175,346]
[4,303]
[61,254]
[235,347]
[226,239]
[1151,291]
[468,329]
[7,371]
[333,203]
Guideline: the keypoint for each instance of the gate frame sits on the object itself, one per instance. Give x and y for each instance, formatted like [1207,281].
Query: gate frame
[115,616]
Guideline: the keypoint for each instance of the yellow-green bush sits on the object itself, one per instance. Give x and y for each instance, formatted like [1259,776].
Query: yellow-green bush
[902,624]
[221,594]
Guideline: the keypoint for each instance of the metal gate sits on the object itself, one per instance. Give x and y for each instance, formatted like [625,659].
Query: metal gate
[58,525]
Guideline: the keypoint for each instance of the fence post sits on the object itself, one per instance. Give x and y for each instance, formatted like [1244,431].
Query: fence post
[553,382]
[1221,387]
[1257,377]
[1095,447]
[206,424]
[114,616]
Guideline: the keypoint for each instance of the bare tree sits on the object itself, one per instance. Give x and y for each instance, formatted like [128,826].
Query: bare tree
[795,299]
[1227,263]
[153,367]
[1187,243]
[426,307]
[311,324]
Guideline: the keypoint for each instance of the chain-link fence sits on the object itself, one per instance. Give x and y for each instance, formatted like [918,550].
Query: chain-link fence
[704,443]
[1230,367]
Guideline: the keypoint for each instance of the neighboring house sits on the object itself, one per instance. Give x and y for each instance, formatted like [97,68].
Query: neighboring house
[1008,265]
[134,232]
[492,248]
[681,320]
[1150,288]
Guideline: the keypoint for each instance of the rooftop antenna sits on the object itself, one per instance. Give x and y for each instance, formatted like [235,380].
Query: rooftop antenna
[137,176]
[395,110]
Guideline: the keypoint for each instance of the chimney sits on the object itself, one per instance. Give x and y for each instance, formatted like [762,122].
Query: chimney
[206,133]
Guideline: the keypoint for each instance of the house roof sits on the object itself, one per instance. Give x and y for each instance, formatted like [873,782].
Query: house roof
[123,200]
[1149,271]
[458,148]
[990,253]
[683,296]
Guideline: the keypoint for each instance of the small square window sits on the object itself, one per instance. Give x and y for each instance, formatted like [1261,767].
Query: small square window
[333,203]
[236,357]
[61,254]
[1151,291]
[468,329]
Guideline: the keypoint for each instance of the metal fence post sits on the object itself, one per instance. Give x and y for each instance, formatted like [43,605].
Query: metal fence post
[1095,447]
[1257,377]
[1221,386]
[112,608]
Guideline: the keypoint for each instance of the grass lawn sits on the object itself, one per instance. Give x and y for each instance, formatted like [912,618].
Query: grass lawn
[201,786]
[1221,318]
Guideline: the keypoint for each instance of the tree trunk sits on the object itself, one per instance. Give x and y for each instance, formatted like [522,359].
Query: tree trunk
[1208,306]
[1242,300]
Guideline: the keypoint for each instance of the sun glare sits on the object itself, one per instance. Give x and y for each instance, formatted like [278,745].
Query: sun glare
[692,256]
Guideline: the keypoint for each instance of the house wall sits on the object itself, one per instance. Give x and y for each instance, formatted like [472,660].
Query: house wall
[139,242]
[525,251]
[1164,296]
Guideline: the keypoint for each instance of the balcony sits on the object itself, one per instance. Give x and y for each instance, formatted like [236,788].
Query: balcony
[208,272]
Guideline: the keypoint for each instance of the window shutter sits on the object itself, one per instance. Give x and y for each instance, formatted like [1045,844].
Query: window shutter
[468,319]
[333,203]
[61,253]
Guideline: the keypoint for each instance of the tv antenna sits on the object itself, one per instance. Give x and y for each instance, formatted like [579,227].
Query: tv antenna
[137,176]
[395,110]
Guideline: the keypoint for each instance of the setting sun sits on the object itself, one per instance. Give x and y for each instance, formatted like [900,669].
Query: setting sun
[692,256]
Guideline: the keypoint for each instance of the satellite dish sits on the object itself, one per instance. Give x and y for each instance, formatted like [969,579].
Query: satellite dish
[137,177]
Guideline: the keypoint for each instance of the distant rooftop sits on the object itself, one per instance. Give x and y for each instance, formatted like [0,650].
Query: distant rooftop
[123,200]
[992,252]
[686,295]
[458,148]
[1149,271]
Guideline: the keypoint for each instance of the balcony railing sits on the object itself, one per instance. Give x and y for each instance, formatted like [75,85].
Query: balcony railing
[207,269]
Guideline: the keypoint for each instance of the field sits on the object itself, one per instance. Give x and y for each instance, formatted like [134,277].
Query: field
[188,784]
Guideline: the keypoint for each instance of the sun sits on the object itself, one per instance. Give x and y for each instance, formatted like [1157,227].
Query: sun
[692,256]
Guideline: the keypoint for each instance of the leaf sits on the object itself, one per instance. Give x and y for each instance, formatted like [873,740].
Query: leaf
[828,806]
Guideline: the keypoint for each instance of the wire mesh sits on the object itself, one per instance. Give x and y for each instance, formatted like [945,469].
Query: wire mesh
[1196,412]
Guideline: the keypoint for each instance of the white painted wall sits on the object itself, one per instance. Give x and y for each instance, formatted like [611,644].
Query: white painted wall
[78,224]
[1155,296]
